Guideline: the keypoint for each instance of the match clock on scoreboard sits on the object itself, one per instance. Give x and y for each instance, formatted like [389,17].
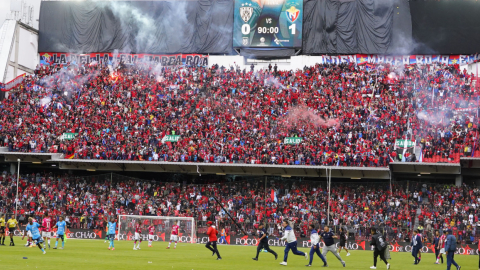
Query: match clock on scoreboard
[268,23]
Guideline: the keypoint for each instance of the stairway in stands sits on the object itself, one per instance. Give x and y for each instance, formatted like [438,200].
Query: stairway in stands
[419,211]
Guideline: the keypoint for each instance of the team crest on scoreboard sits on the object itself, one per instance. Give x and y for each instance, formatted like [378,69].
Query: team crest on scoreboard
[245,41]
[293,14]
[246,12]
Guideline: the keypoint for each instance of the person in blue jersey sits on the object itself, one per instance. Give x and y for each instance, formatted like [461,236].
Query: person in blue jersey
[416,246]
[61,229]
[289,236]
[32,227]
[315,240]
[263,242]
[112,226]
[450,248]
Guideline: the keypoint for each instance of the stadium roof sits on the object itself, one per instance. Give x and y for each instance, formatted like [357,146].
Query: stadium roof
[425,168]
[467,166]
[226,168]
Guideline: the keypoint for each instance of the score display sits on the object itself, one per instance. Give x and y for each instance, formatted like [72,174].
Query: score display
[268,23]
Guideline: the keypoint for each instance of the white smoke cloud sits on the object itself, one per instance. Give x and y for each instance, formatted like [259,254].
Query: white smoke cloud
[144,28]
[45,101]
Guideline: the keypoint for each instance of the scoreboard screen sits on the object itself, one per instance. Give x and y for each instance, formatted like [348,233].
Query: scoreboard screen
[268,23]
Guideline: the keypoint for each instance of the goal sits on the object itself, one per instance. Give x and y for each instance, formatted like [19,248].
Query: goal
[163,227]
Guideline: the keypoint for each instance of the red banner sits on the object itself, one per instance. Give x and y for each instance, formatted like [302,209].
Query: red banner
[12,84]
[52,58]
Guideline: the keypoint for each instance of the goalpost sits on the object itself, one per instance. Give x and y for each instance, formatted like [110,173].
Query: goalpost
[163,227]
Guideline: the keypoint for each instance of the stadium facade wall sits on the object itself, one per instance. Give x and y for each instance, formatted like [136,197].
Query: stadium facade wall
[18,50]
[462,249]
[227,60]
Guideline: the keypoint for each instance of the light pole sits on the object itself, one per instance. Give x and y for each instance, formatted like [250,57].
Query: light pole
[16,197]
[329,183]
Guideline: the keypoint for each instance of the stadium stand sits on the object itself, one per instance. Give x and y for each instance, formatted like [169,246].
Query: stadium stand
[347,114]
[87,200]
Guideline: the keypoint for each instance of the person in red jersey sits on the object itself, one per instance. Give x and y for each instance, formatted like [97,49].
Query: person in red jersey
[47,229]
[212,240]
[441,245]
[137,238]
[174,235]
[151,231]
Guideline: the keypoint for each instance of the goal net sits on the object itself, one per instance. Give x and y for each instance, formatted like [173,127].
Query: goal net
[162,227]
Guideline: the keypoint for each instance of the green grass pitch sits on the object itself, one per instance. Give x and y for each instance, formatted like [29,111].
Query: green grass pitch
[93,254]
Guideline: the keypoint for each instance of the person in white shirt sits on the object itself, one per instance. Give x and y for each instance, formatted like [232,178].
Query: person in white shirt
[289,236]
[315,239]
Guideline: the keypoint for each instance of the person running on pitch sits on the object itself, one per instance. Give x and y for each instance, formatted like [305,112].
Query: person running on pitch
[343,241]
[380,246]
[315,239]
[263,242]
[289,236]
[212,240]
[328,237]
[36,237]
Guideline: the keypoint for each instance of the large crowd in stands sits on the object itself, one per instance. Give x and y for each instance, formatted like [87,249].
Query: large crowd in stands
[346,114]
[396,208]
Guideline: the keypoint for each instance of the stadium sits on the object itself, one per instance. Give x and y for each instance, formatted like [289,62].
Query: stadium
[239,134]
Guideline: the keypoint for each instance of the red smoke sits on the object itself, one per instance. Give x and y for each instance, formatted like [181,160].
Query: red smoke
[302,116]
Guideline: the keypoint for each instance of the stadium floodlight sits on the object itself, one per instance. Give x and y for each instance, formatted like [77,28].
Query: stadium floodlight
[163,227]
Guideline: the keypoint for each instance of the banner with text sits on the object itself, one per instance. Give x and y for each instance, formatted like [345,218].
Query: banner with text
[292,140]
[50,58]
[462,249]
[365,59]
[69,136]
[12,84]
[171,138]
[405,149]
[353,245]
